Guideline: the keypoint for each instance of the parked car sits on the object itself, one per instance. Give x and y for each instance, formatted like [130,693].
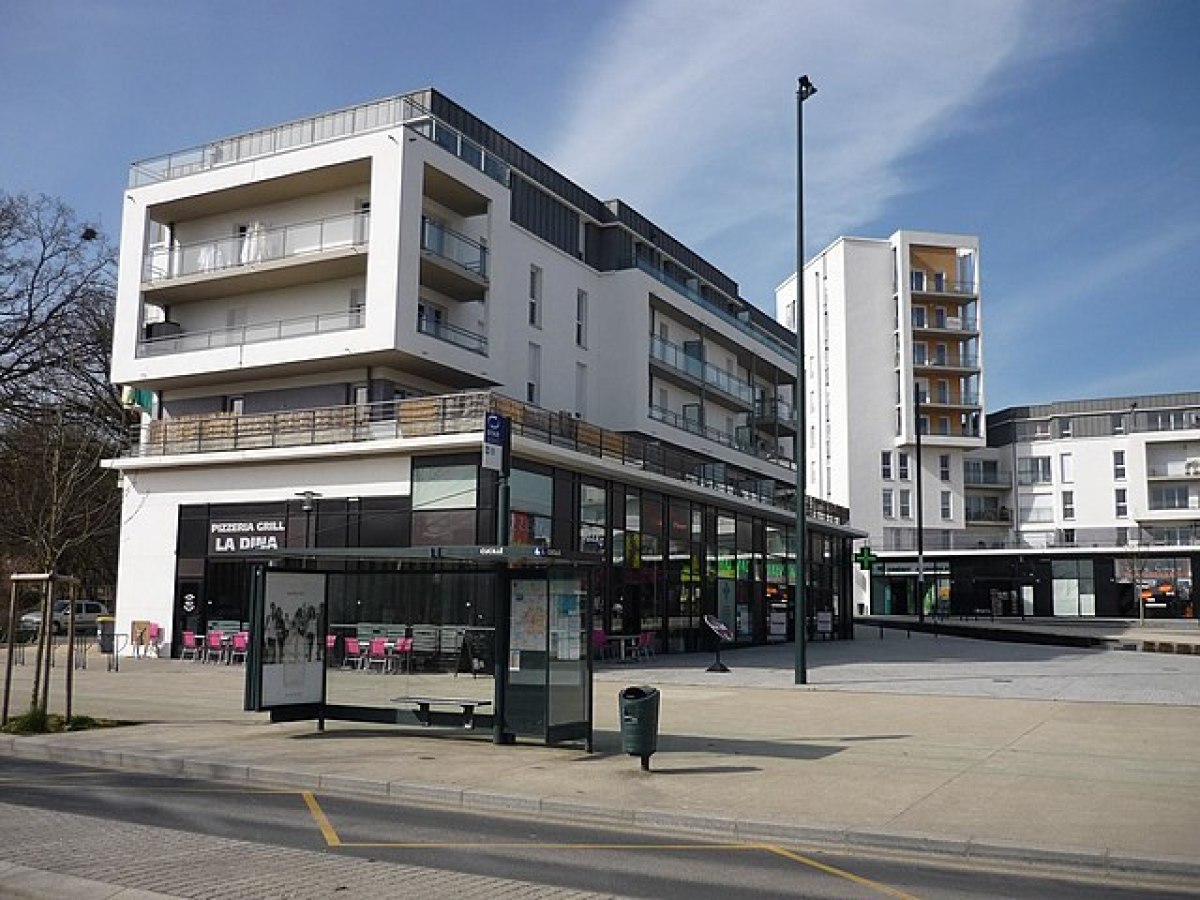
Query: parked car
[86,614]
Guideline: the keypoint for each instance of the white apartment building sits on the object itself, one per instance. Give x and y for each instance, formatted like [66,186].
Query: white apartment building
[893,341]
[319,315]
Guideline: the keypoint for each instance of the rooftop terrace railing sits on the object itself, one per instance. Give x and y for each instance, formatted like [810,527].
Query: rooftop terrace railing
[332,126]
[459,414]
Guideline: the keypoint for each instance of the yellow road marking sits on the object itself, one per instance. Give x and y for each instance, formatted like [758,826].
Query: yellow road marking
[840,873]
[318,814]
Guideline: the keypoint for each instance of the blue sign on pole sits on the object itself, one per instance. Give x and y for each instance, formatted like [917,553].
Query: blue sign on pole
[495,443]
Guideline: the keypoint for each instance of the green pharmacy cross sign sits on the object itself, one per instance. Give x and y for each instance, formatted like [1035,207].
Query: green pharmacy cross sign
[865,559]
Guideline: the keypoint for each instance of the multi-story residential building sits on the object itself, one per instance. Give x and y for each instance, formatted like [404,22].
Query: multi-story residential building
[320,314]
[893,345]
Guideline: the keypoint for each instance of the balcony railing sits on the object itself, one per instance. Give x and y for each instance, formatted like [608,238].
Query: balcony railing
[460,414]
[965,361]
[950,323]
[452,334]
[937,539]
[977,478]
[987,515]
[677,420]
[706,373]
[787,350]
[331,126]
[259,332]
[257,245]
[941,286]
[774,410]
[439,240]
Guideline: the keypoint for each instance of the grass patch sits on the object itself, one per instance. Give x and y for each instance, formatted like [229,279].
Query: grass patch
[37,722]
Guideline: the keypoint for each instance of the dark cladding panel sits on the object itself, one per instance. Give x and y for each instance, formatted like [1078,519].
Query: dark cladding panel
[537,211]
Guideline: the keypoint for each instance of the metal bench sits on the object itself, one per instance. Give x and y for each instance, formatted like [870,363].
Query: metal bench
[428,715]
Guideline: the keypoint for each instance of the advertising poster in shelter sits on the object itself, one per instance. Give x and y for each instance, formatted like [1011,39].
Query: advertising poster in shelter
[293,609]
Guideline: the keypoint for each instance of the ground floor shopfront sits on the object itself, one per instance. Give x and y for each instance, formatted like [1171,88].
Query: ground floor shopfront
[1154,582]
[662,559]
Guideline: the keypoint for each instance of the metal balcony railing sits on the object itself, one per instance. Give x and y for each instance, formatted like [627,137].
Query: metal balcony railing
[257,245]
[677,420]
[441,241]
[332,126]
[452,334]
[704,372]
[259,332]
[942,286]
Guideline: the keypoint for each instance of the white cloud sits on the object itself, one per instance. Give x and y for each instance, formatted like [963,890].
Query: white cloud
[686,110]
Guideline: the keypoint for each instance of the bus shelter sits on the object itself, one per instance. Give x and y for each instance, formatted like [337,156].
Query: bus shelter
[470,637]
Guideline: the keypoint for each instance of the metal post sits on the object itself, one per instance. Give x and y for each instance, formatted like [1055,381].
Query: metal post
[804,90]
[8,662]
[920,511]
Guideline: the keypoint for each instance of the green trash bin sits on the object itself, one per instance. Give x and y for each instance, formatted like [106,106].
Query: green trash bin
[639,722]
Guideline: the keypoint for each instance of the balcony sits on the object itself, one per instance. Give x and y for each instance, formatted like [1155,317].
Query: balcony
[452,414]
[775,413]
[987,516]
[947,325]
[963,361]
[452,334]
[943,287]
[452,263]
[259,259]
[677,420]
[365,118]
[984,479]
[697,371]
[1179,470]
[167,337]
[721,310]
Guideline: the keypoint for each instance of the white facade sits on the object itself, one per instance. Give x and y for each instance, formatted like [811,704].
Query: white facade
[280,288]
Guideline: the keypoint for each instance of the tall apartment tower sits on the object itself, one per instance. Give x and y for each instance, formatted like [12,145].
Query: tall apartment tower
[892,344]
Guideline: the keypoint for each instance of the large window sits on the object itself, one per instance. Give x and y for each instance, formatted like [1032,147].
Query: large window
[1034,470]
[1118,465]
[444,500]
[1170,497]
[531,499]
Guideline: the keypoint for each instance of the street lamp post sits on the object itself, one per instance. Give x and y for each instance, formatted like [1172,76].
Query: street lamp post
[804,90]
[306,504]
[920,509]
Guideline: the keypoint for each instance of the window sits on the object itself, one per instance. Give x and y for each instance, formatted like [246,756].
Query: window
[917,279]
[1122,503]
[903,458]
[1066,468]
[1122,537]
[919,353]
[1118,423]
[918,316]
[581,310]
[358,307]
[1065,428]
[939,282]
[1118,465]
[535,296]
[1068,535]
[939,314]
[430,318]
[888,511]
[235,405]
[533,391]
[947,505]
[885,465]
[1174,497]
[906,504]
[1068,504]
[1033,470]
[944,466]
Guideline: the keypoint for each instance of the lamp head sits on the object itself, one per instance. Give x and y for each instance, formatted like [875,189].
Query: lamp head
[806,88]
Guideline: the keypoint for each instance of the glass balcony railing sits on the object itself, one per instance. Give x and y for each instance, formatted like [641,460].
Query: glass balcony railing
[452,334]
[257,245]
[677,420]
[176,340]
[787,350]
[332,126]
[942,286]
[965,361]
[977,478]
[441,241]
[706,373]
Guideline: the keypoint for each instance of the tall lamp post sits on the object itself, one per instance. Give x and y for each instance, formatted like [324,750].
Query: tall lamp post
[306,504]
[804,90]
[920,509]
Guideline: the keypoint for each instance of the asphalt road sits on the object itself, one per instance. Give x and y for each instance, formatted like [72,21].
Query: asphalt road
[337,844]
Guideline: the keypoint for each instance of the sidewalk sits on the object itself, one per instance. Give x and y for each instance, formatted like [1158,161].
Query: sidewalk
[973,749]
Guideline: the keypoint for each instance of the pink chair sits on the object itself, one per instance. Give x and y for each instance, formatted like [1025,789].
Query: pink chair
[402,654]
[190,646]
[353,657]
[645,645]
[240,646]
[214,646]
[599,643]
[154,638]
[330,644]
[377,655]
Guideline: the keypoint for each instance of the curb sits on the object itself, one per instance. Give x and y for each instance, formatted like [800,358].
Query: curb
[1173,870]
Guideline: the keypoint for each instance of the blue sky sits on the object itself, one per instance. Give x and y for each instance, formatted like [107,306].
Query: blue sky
[1065,134]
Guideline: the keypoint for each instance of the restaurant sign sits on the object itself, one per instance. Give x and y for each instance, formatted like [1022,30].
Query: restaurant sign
[235,536]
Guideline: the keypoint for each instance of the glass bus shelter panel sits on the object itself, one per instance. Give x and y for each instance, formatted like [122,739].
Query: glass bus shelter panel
[569,676]
[528,655]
